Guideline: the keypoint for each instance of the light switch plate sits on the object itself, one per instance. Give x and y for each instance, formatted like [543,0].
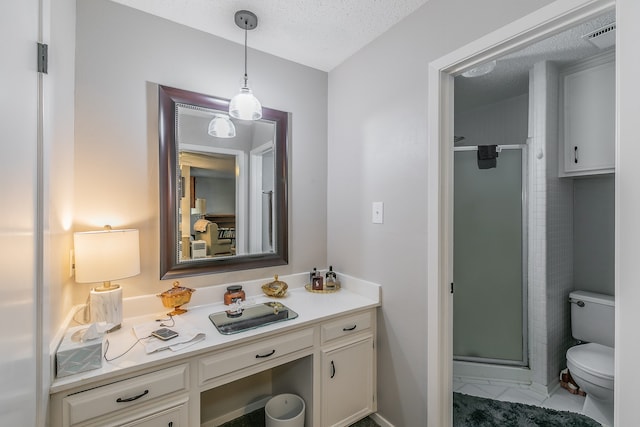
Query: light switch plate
[377,212]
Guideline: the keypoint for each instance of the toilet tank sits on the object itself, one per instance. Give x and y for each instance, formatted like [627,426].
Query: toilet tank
[592,317]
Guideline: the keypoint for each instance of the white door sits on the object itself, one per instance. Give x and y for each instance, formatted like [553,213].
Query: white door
[18,172]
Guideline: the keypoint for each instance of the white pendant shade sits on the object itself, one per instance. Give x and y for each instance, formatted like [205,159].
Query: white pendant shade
[222,127]
[245,106]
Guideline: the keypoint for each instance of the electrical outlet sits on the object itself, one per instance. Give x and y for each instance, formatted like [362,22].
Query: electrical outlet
[377,212]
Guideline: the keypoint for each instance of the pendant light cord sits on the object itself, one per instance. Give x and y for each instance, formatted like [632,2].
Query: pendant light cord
[245,53]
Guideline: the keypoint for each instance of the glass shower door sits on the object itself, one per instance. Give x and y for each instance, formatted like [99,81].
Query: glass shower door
[489,310]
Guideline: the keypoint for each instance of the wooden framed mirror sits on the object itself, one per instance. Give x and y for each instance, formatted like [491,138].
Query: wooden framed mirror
[223,201]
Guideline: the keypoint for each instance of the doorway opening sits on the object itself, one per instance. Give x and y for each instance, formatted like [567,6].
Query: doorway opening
[537,26]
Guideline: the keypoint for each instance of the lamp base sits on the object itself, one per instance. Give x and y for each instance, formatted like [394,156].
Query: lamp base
[106,306]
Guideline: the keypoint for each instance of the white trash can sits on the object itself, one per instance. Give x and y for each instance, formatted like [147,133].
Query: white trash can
[284,410]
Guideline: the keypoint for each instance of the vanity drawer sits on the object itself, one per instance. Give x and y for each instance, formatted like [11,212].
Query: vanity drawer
[230,361]
[346,326]
[123,395]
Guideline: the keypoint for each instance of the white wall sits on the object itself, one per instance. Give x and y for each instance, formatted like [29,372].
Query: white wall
[378,152]
[122,55]
[594,228]
[500,123]
[627,202]
[58,165]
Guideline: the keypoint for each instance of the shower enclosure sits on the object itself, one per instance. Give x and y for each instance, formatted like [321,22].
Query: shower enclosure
[490,308]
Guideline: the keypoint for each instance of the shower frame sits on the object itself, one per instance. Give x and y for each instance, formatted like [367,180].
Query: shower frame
[525,256]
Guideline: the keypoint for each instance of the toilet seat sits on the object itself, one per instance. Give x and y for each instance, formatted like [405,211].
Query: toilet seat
[594,359]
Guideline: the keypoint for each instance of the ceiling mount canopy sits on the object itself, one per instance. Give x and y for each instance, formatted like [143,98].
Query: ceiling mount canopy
[245,106]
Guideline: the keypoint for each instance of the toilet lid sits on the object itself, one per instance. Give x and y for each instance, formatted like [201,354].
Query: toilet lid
[593,358]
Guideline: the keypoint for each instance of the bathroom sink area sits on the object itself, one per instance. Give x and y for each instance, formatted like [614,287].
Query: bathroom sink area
[251,317]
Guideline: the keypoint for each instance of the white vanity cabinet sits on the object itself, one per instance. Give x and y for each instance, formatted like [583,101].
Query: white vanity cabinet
[348,370]
[347,383]
[158,398]
[587,125]
[329,361]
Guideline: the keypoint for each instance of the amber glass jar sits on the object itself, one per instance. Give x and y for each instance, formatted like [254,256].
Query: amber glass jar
[234,293]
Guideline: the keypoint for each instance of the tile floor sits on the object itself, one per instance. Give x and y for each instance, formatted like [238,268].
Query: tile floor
[560,400]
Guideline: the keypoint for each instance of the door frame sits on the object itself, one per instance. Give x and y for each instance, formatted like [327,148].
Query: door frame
[538,25]
[255,197]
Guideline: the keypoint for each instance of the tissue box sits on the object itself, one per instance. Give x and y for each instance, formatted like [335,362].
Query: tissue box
[75,356]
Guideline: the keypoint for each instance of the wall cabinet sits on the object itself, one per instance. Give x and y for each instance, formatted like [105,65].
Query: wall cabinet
[587,134]
[330,364]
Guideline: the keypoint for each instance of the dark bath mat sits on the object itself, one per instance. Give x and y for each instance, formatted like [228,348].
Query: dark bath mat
[471,411]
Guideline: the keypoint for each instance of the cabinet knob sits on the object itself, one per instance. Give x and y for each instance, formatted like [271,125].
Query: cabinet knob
[575,154]
[333,369]
[345,329]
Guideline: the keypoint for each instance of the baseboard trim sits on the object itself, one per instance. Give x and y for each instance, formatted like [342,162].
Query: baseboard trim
[380,420]
[237,413]
[472,371]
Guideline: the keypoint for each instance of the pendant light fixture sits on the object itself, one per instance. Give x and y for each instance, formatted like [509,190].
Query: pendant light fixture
[221,126]
[244,105]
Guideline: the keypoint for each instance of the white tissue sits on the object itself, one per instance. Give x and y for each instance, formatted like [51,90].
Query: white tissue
[96,330]
[91,333]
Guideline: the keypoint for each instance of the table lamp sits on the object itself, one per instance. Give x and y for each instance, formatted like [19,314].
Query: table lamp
[103,256]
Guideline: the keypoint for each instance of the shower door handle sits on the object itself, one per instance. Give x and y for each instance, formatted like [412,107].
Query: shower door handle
[575,154]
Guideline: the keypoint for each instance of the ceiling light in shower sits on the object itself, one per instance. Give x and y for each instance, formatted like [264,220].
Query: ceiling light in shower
[245,106]
[221,126]
[480,70]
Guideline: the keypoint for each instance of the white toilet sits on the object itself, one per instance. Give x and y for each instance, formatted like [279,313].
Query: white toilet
[591,362]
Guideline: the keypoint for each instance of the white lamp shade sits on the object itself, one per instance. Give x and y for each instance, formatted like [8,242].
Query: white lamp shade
[102,256]
[221,126]
[245,106]
[201,207]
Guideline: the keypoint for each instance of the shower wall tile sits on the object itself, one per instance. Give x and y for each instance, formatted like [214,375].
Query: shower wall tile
[550,231]
[559,235]
[537,239]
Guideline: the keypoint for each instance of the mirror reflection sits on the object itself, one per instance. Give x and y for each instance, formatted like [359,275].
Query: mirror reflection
[227,184]
[223,198]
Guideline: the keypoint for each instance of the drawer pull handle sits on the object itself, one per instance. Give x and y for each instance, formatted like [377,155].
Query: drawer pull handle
[333,369]
[350,329]
[262,356]
[131,399]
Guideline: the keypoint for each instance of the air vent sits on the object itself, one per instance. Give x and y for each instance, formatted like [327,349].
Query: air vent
[602,37]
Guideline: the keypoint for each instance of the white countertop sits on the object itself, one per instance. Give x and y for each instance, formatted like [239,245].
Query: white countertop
[354,295]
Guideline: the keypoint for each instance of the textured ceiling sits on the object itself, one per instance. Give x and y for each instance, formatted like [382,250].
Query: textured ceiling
[317,33]
[511,75]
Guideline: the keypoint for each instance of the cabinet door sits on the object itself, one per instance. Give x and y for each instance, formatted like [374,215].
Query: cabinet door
[347,383]
[589,119]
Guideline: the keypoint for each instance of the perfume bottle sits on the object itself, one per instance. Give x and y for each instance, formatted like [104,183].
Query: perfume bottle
[331,279]
[317,281]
